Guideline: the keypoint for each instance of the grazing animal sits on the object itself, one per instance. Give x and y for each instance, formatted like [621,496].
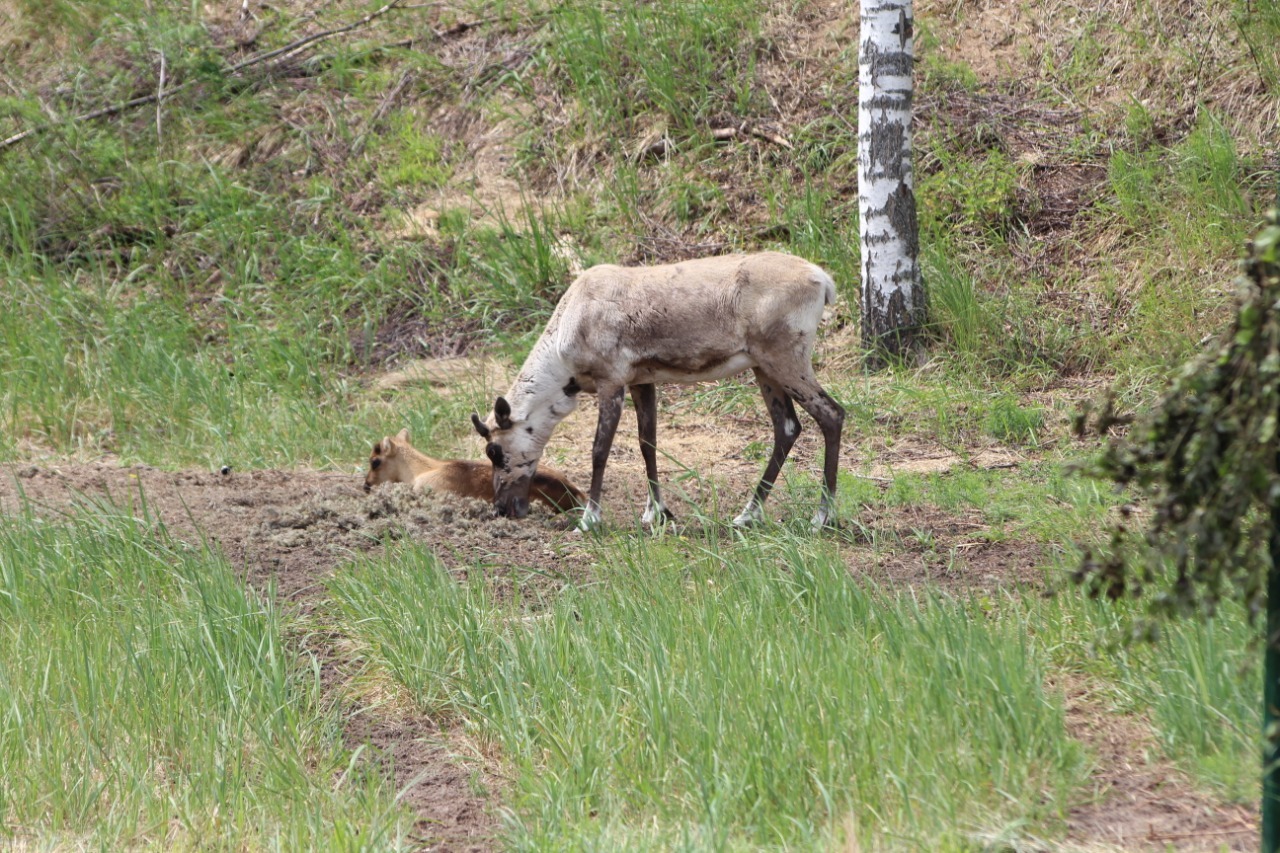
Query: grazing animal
[632,327]
[395,460]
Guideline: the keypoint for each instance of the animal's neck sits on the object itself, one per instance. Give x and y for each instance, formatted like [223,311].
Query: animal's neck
[538,396]
[415,461]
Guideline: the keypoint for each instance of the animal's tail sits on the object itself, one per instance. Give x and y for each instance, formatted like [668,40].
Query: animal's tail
[822,277]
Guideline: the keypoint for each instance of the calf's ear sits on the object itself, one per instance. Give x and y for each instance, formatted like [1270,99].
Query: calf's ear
[479,425]
[502,413]
[388,447]
[403,435]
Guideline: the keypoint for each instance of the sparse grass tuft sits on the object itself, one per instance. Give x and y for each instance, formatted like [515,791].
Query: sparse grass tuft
[147,699]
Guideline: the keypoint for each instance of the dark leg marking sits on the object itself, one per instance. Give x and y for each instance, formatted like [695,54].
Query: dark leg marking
[830,417]
[786,428]
[646,399]
[610,399]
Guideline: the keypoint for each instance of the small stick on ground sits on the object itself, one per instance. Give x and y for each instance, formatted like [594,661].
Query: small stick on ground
[279,54]
[380,113]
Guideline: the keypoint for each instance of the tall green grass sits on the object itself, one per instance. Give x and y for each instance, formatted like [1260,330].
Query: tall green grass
[715,694]
[1198,685]
[148,699]
[681,61]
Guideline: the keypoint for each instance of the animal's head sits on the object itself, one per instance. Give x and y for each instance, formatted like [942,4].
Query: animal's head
[384,461]
[514,449]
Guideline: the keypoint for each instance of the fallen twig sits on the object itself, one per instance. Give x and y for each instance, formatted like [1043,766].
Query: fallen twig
[89,116]
[311,39]
[160,98]
[380,113]
[268,56]
[1152,835]
[723,134]
[663,145]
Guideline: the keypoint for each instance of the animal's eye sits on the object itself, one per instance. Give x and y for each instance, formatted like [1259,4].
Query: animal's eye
[494,452]
[374,463]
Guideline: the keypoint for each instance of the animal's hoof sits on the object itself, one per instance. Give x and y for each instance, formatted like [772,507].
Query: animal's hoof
[589,523]
[825,521]
[748,518]
[665,523]
[657,518]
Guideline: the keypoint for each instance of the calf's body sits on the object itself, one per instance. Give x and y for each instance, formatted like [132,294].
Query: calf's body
[395,460]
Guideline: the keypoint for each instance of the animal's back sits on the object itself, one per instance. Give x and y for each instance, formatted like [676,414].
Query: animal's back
[460,477]
[554,489]
[693,320]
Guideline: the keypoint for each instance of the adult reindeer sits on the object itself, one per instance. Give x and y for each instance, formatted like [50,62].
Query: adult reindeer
[632,327]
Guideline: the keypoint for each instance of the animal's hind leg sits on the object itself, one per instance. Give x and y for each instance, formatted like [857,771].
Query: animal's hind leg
[646,399]
[610,402]
[786,428]
[809,395]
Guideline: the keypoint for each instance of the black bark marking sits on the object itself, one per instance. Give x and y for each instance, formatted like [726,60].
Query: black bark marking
[896,63]
[903,28]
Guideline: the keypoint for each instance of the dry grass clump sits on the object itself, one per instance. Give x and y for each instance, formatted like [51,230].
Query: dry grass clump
[395,511]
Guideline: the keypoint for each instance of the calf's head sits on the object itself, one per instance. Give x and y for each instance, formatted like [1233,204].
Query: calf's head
[514,451]
[385,460]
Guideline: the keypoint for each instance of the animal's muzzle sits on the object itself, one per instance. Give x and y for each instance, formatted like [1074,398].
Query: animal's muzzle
[513,508]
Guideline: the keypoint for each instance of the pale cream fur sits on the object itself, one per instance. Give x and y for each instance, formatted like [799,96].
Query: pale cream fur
[635,327]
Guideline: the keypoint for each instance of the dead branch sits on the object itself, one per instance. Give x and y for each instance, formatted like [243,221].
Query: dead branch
[89,116]
[279,55]
[381,112]
[160,98]
[294,47]
[1153,835]
[724,134]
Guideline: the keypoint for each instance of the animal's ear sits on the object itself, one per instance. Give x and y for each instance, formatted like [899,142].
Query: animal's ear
[388,447]
[479,425]
[502,413]
[403,435]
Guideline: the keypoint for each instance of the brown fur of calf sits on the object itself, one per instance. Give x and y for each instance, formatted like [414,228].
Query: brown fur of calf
[395,460]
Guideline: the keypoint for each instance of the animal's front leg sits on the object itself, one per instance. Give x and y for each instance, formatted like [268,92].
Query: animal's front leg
[610,400]
[646,399]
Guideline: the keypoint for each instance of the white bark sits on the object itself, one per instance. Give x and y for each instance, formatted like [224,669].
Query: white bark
[893,304]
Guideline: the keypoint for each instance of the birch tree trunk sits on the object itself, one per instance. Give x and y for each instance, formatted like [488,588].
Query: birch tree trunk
[893,298]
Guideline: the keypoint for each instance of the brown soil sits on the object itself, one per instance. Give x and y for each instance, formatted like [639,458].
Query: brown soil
[1139,802]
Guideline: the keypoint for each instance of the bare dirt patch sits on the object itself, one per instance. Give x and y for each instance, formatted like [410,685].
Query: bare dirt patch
[927,546]
[1141,802]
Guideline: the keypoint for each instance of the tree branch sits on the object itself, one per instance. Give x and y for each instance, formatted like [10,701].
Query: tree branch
[268,56]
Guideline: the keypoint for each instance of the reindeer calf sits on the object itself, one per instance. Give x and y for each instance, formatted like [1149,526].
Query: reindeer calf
[395,460]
